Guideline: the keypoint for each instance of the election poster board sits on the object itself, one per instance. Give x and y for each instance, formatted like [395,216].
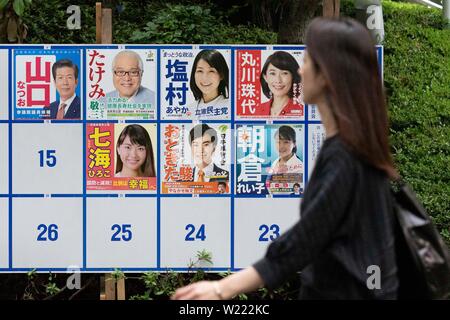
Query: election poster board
[138,157]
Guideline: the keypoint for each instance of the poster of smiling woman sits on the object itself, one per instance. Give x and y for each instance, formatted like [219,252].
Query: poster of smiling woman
[195,84]
[268,85]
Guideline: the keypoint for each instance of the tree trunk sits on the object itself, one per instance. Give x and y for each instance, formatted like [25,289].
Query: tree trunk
[264,13]
[295,16]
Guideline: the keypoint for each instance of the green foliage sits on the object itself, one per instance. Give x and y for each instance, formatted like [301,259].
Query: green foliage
[51,288]
[118,275]
[417,80]
[47,21]
[197,24]
[19,7]
[149,22]
[39,289]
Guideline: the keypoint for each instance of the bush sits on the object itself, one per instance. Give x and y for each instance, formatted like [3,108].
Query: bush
[417,78]
[141,22]
[196,24]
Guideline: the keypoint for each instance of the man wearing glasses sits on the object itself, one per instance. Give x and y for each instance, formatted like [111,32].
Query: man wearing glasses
[127,70]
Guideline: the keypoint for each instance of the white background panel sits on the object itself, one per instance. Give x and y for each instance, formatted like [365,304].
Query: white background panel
[316,137]
[140,249]
[29,214]
[4,84]
[66,176]
[313,112]
[4,227]
[4,161]
[177,213]
[249,215]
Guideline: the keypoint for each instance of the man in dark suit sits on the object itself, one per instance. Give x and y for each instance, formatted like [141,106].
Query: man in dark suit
[65,75]
[203,141]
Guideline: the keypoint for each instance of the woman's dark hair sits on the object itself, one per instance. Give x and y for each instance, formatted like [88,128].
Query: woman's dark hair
[138,135]
[287,133]
[216,60]
[343,51]
[284,61]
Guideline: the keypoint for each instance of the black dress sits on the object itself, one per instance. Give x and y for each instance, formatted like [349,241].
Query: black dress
[345,237]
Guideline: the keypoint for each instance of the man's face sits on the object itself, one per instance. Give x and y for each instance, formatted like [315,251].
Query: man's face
[128,83]
[222,188]
[65,82]
[202,151]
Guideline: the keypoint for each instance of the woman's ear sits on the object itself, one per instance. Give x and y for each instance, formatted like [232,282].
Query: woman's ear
[321,81]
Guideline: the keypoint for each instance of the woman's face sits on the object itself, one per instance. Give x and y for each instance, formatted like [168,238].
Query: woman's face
[279,81]
[284,146]
[207,78]
[132,155]
[313,82]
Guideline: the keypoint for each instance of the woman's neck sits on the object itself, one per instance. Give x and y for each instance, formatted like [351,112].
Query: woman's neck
[278,104]
[284,160]
[210,97]
[126,172]
[327,117]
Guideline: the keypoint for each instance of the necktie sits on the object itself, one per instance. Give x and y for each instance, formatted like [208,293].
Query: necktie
[201,176]
[60,114]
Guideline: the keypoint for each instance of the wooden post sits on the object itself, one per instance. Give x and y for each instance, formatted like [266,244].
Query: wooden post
[98,22]
[109,287]
[107,26]
[121,289]
[331,8]
[103,20]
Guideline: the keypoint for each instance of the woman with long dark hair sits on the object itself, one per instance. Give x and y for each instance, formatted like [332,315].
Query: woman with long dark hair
[346,229]
[134,153]
[209,82]
[281,83]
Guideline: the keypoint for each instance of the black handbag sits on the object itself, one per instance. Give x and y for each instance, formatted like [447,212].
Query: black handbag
[423,260]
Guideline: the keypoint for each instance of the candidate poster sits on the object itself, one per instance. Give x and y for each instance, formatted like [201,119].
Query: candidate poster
[195,84]
[47,84]
[316,137]
[270,159]
[195,158]
[121,156]
[121,84]
[268,85]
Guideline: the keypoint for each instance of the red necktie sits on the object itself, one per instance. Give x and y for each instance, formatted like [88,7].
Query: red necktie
[60,114]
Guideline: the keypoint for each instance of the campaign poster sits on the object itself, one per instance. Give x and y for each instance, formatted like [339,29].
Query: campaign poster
[314,114]
[121,156]
[316,137]
[47,84]
[268,85]
[195,84]
[195,158]
[121,84]
[270,159]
